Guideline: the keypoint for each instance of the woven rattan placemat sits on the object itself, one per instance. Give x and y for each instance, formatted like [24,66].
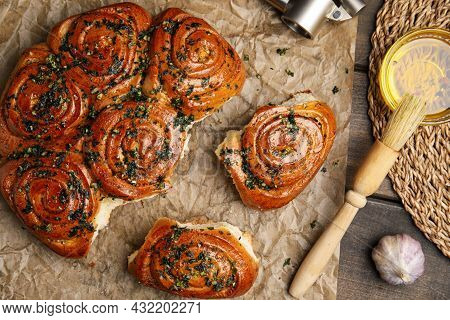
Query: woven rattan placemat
[421,175]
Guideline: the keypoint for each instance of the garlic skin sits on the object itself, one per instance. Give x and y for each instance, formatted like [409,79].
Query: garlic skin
[399,259]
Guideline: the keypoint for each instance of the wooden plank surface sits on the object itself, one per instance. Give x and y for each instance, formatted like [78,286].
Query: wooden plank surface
[366,26]
[384,214]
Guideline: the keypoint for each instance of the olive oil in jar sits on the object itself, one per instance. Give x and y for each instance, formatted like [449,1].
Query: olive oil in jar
[419,64]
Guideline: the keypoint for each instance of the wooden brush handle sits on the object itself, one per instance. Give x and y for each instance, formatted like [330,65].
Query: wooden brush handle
[371,173]
[319,255]
[374,168]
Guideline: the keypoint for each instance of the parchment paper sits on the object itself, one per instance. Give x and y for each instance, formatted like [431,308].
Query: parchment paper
[28,270]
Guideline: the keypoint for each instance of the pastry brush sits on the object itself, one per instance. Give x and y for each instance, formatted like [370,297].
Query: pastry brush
[375,167]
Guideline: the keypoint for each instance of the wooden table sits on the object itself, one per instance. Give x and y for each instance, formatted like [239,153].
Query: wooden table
[384,213]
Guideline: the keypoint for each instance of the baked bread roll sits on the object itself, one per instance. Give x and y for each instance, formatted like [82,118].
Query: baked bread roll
[278,153]
[213,260]
[51,192]
[81,95]
[104,50]
[192,64]
[134,148]
[40,103]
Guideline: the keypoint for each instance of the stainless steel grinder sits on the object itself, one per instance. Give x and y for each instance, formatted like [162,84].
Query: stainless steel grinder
[306,16]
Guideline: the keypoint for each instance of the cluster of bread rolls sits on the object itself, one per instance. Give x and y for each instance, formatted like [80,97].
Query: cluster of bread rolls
[99,115]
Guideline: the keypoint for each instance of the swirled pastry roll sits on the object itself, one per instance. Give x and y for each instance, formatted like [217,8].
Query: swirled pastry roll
[212,260]
[40,101]
[104,50]
[192,64]
[278,153]
[51,193]
[134,148]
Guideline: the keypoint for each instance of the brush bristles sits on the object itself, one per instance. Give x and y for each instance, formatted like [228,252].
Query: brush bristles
[403,122]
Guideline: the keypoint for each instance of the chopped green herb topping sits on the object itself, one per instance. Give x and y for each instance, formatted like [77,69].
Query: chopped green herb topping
[160,183]
[176,102]
[53,62]
[282,51]
[117,27]
[291,123]
[137,94]
[165,153]
[205,82]
[289,72]
[181,56]
[65,43]
[47,227]
[146,34]
[85,131]
[23,167]
[63,196]
[183,121]
[335,90]
[131,171]
[115,66]
[170,26]
[131,133]
[141,111]
[28,208]
[176,233]
[33,151]
[189,90]
[252,181]
[92,114]
[91,156]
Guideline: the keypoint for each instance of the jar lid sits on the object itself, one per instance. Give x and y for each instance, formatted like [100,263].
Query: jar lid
[419,64]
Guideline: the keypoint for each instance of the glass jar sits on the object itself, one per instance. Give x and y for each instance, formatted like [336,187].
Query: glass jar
[419,64]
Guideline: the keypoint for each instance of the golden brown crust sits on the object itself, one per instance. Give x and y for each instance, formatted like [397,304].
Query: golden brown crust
[196,263]
[51,193]
[194,66]
[134,148]
[104,50]
[40,102]
[278,152]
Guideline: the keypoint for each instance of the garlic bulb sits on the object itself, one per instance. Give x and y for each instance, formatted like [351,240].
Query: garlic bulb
[399,259]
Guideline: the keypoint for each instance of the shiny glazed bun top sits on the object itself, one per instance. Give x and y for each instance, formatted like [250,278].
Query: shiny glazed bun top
[212,260]
[278,153]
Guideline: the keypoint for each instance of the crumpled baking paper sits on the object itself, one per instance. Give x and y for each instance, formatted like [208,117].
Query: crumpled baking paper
[29,270]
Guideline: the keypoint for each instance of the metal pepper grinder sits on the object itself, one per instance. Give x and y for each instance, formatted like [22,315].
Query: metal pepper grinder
[306,16]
